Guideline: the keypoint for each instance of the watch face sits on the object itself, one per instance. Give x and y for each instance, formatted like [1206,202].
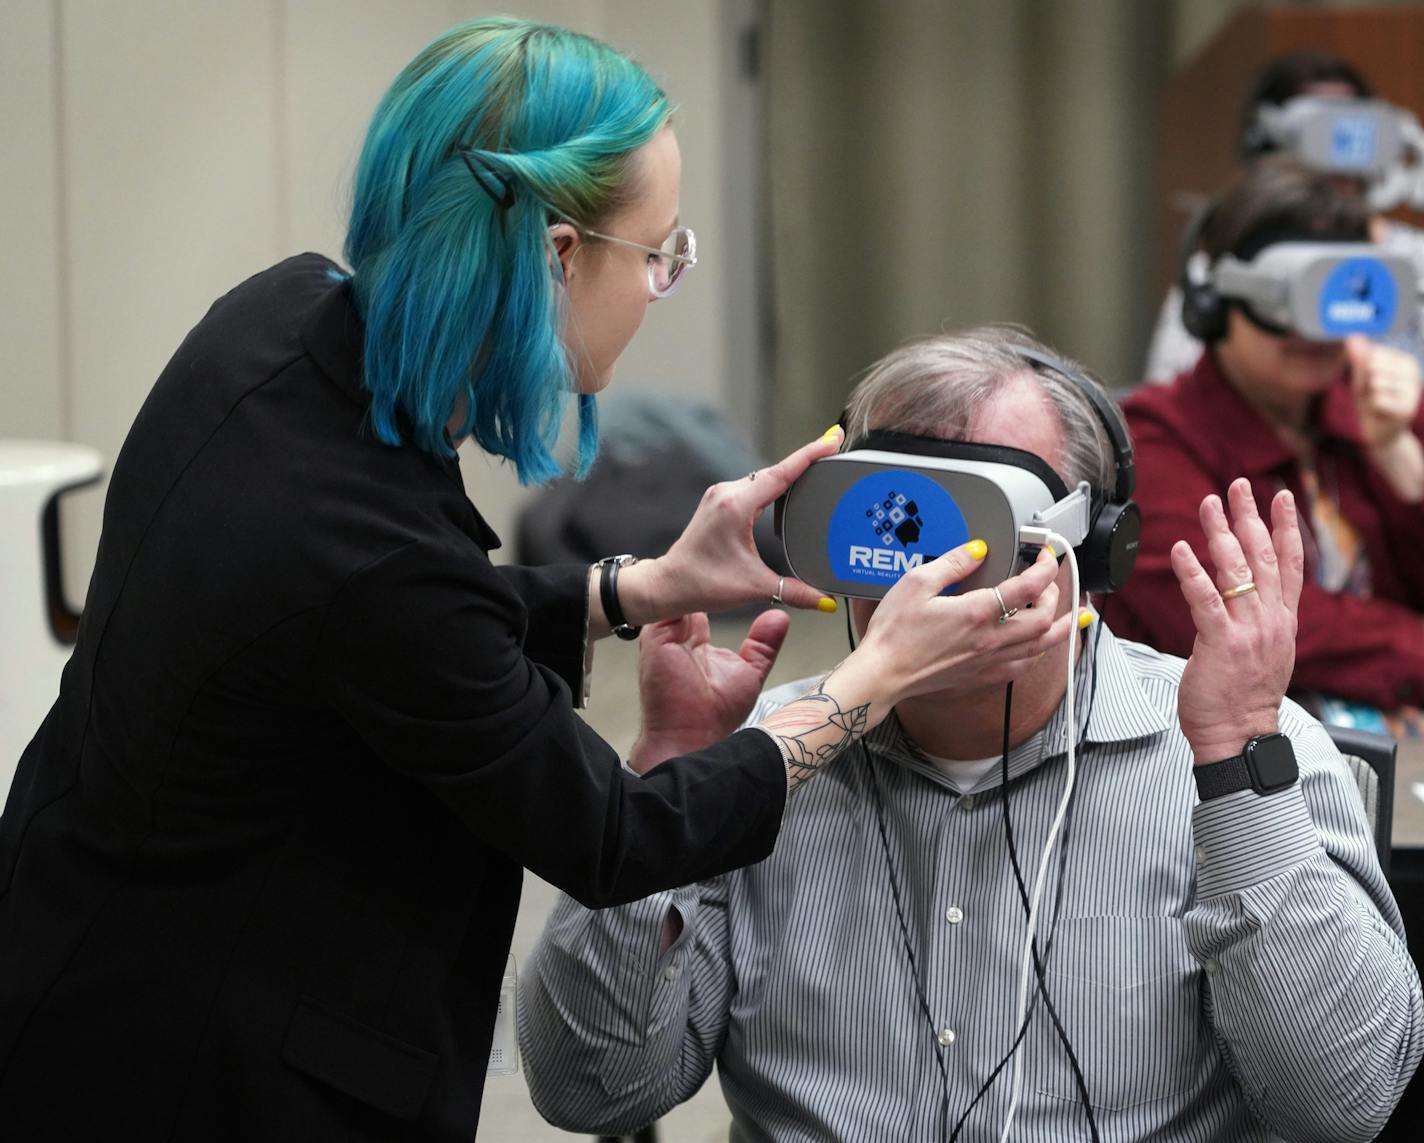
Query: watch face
[1271,761]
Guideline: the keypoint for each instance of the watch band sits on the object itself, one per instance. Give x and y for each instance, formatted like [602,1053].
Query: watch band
[608,595]
[1266,765]
[1217,779]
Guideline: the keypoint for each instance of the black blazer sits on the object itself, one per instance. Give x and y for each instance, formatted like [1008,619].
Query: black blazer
[260,866]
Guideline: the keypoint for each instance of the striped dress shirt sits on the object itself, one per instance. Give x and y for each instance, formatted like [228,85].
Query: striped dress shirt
[1224,971]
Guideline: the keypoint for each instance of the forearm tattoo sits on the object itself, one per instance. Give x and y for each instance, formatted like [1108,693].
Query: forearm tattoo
[813,730]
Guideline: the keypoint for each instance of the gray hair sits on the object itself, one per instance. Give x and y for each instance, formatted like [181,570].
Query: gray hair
[934,386]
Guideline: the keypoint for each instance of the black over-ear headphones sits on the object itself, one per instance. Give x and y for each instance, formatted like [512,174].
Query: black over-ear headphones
[1106,557]
[1203,308]
[1107,554]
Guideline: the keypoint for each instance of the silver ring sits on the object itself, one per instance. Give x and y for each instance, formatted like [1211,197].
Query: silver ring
[1005,613]
[752,474]
[776,595]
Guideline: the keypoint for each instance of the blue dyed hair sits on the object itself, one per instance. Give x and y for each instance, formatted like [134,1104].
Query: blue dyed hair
[456,289]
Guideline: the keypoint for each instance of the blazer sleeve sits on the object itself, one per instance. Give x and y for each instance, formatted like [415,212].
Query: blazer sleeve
[555,598]
[1369,650]
[423,654]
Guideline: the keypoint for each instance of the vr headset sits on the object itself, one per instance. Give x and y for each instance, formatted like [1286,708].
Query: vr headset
[1322,290]
[1363,138]
[854,523]
[1319,290]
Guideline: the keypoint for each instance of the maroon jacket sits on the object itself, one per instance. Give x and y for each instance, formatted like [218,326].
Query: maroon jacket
[1194,437]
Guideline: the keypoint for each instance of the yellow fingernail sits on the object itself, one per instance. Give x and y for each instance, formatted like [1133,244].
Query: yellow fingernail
[1085,620]
[831,433]
[826,604]
[977,548]
[1051,552]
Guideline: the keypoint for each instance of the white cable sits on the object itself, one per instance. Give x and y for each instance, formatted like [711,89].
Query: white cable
[1058,543]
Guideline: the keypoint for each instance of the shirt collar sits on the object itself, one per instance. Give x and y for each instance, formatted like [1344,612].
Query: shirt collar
[1121,711]
[1241,432]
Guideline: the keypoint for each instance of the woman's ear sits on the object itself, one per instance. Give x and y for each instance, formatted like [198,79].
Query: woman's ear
[564,241]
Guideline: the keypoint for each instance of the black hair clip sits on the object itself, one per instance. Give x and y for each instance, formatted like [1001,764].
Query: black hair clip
[498,186]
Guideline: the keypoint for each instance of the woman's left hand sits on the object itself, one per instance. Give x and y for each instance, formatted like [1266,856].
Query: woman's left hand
[693,693]
[714,565]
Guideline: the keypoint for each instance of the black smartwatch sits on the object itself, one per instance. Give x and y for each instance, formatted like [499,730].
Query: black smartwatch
[1266,765]
[608,594]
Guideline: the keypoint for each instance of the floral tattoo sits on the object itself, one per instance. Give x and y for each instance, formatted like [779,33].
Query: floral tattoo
[813,730]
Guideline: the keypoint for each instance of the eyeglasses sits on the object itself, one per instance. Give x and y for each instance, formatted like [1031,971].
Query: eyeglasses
[667,265]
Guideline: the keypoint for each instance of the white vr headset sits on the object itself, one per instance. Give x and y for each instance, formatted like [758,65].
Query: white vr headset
[1322,290]
[1364,138]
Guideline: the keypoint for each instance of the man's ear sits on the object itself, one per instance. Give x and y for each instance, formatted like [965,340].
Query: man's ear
[565,240]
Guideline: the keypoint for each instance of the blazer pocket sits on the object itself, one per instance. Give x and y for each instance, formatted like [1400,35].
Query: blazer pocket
[357,1059]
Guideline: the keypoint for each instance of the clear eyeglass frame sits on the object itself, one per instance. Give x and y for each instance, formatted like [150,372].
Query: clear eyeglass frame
[667,265]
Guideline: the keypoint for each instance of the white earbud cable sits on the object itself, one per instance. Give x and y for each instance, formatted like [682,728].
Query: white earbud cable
[1057,543]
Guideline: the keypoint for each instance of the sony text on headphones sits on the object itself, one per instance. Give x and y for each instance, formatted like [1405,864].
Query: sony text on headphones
[854,523]
[1321,290]
[1367,139]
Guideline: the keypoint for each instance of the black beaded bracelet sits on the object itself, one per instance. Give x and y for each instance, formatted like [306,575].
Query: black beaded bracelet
[608,594]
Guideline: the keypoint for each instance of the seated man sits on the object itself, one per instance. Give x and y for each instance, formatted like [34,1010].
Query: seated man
[1218,964]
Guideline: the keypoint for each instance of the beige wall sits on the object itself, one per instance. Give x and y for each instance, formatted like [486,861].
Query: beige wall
[159,151]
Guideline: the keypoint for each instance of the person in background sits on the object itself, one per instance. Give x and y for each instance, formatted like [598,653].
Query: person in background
[1336,422]
[1172,350]
[260,866]
[1220,965]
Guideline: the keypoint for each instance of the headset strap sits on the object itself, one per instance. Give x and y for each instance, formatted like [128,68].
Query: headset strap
[1126,473]
[885,440]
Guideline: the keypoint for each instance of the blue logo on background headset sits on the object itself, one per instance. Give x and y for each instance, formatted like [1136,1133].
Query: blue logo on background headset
[1359,296]
[1352,142]
[889,522]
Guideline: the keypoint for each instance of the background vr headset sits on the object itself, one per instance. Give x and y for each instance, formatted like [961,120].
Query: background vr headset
[854,523]
[1364,138]
[1320,290]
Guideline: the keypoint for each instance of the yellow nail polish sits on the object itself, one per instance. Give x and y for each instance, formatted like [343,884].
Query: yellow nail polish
[977,548]
[831,433]
[1085,620]
[1051,552]
[826,604]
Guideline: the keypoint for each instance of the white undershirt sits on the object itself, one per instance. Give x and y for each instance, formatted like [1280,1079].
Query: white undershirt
[962,775]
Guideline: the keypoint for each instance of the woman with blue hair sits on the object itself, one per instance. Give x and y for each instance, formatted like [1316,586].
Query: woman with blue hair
[260,865]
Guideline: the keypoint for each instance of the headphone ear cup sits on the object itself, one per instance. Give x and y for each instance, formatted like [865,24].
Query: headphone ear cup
[1255,141]
[1203,312]
[1106,557]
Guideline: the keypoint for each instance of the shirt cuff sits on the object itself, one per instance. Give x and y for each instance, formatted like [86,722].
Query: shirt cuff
[1245,838]
[586,683]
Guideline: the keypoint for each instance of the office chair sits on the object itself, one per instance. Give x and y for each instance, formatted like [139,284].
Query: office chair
[1371,760]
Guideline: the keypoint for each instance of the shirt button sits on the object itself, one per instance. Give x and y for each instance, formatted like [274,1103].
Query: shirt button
[1200,854]
[967,801]
[946,1036]
[670,973]
[954,914]
[1211,966]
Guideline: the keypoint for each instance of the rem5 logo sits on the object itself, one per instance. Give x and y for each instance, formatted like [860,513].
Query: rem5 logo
[1359,296]
[892,521]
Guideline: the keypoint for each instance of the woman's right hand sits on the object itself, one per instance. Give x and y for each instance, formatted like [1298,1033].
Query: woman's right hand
[714,564]
[918,642]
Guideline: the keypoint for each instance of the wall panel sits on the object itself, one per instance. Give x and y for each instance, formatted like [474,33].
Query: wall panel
[31,360]
[171,195]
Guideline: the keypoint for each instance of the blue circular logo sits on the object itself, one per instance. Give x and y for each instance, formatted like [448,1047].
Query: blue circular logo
[1359,296]
[889,522]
